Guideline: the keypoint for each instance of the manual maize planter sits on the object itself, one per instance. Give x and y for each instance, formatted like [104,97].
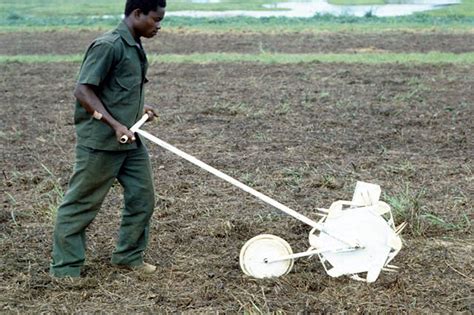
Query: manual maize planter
[353,238]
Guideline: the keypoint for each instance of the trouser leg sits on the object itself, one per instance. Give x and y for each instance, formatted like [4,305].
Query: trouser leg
[136,178]
[94,173]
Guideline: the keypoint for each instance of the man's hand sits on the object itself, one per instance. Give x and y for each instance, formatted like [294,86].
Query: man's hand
[87,97]
[152,113]
[121,131]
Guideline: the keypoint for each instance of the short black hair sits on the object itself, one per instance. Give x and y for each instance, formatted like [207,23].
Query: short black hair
[144,5]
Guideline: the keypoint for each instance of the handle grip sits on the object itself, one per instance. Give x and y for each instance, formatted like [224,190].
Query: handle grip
[124,139]
[136,126]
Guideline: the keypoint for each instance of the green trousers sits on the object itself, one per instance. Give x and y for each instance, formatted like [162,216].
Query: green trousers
[94,173]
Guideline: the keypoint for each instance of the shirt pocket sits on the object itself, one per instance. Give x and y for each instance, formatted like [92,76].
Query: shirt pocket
[128,83]
[126,91]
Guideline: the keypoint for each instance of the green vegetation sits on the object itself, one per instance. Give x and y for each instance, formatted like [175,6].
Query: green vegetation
[325,23]
[18,15]
[52,194]
[465,8]
[272,24]
[41,58]
[366,58]
[63,8]
[408,207]
[57,8]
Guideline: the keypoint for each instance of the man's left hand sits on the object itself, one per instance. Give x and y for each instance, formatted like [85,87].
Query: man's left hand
[152,113]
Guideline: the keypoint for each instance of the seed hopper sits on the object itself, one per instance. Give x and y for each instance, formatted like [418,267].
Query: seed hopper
[357,238]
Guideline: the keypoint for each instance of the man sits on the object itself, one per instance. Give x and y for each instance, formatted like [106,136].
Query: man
[110,100]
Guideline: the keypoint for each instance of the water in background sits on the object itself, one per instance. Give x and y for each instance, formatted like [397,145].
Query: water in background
[309,8]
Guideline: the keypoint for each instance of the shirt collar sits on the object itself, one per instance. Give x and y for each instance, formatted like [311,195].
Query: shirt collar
[124,32]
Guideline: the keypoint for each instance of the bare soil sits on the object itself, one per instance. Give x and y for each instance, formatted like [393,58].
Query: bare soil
[303,134]
[73,42]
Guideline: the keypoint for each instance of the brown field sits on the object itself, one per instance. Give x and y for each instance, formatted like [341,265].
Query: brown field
[183,42]
[303,134]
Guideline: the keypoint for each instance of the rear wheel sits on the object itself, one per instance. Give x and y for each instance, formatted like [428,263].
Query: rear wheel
[256,253]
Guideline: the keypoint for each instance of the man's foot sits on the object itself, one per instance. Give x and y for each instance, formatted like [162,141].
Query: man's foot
[144,268]
[67,281]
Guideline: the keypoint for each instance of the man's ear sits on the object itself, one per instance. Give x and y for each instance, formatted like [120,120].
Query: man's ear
[136,13]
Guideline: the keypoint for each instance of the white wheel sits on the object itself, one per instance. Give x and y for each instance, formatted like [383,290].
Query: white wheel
[255,254]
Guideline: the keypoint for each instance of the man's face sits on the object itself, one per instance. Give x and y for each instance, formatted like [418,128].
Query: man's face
[148,25]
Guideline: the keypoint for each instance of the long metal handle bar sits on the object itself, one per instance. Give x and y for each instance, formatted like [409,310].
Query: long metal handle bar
[139,123]
[227,178]
[212,170]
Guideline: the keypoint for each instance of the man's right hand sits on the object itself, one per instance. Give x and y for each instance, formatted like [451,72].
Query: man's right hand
[87,97]
[121,131]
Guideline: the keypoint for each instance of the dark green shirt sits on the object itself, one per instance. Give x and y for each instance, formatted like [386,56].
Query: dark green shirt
[116,65]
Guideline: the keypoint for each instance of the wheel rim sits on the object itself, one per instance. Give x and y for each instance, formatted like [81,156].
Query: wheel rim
[258,250]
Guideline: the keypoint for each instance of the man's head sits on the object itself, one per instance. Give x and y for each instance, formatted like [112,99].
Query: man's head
[144,16]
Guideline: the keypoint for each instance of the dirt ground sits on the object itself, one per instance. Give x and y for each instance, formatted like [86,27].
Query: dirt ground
[303,134]
[74,42]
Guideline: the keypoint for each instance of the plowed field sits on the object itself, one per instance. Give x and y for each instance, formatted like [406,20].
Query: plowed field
[303,134]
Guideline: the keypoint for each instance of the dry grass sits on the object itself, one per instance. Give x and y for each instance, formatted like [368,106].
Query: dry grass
[416,148]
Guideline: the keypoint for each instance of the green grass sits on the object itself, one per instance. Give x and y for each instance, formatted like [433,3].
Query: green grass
[465,8]
[47,8]
[54,14]
[323,23]
[40,58]
[366,58]
[52,194]
[408,206]
[67,8]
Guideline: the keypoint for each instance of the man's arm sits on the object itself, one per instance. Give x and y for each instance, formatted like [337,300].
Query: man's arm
[88,99]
